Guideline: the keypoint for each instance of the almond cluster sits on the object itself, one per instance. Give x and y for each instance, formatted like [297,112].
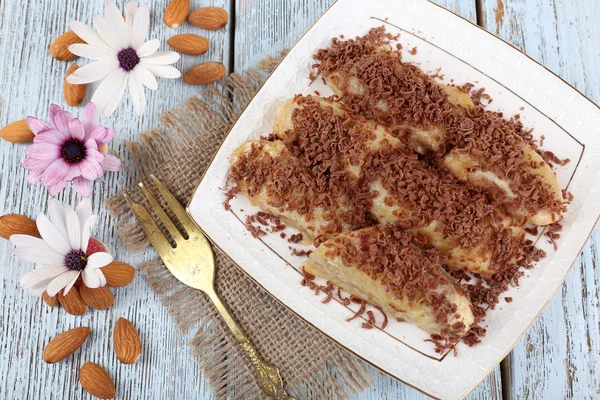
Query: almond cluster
[93,378]
[208,18]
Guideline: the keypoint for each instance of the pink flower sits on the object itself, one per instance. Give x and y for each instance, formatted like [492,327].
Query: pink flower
[69,150]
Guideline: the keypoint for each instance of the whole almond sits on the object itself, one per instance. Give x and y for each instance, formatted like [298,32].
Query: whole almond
[188,43]
[210,18]
[99,299]
[60,47]
[96,381]
[204,73]
[118,274]
[176,12]
[74,93]
[65,344]
[12,224]
[72,302]
[127,342]
[51,301]
[17,132]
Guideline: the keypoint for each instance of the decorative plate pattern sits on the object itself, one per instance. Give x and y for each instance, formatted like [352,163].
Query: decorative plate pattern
[466,53]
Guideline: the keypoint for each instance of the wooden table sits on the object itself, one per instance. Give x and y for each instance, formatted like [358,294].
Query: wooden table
[558,358]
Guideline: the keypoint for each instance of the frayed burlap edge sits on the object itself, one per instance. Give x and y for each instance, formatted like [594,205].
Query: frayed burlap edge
[311,365]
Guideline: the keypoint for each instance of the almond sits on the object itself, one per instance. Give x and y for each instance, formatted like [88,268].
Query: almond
[17,132]
[74,94]
[210,18]
[60,47]
[127,342]
[118,274]
[65,344]
[72,302]
[12,224]
[96,381]
[190,44]
[99,299]
[176,12]
[204,73]
[51,301]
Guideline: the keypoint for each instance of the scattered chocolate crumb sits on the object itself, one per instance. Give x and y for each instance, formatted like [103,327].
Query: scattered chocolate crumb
[282,235]
[413,51]
[508,299]
[295,238]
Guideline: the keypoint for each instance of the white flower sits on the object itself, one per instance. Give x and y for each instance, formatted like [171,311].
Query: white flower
[122,57]
[61,253]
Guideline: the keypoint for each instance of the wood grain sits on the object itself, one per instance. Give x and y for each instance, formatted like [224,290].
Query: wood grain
[559,357]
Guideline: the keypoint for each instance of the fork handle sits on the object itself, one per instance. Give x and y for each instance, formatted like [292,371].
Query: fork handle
[268,376]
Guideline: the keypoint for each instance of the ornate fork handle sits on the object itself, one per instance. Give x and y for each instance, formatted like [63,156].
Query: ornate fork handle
[268,376]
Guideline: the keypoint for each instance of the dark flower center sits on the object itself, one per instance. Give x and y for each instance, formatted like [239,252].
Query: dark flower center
[76,260]
[73,151]
[128,59]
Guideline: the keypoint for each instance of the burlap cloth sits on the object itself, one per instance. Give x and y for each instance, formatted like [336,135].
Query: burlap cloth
[311,365]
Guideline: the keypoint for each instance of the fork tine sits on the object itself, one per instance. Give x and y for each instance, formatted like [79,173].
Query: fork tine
[177,208]
[171,228]
[153,232]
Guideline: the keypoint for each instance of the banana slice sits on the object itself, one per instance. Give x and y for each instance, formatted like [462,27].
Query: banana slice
[274,180]
[385,267]
[433,137]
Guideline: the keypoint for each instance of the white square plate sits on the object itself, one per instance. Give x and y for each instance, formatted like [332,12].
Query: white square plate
[569,122]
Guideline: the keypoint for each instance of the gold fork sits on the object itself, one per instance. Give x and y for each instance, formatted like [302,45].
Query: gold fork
[192,262]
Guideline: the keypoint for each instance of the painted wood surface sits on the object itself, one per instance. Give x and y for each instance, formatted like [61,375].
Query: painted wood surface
[558,358]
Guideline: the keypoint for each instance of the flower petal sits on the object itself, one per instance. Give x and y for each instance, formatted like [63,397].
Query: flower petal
[90,116]
[52,235]
[113,103]
[139,29]
[60,282]
[54,109]
[96,155]
[111,163]
[107,137]
[43,151]
[86,33]
[86,231]
[21,240]
[108,88]
[84,210]
[116,23]
[92,52]
[51,136]
[82,186]
[148,48]
[38,289]
[35,164]
[90,278]
[61,121]
[55,189]
[38,255]
[161,58]
[162,71]
[91,169]
[37,125]
[55,172]
[76,129]
[58,217]
[70,285]
[130,10]
[93,72]
[104,30]
[145,77]
[35,176]
[99,260]
[138,95]
[101,276]
[41,274]
[73,228]
[96,133]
